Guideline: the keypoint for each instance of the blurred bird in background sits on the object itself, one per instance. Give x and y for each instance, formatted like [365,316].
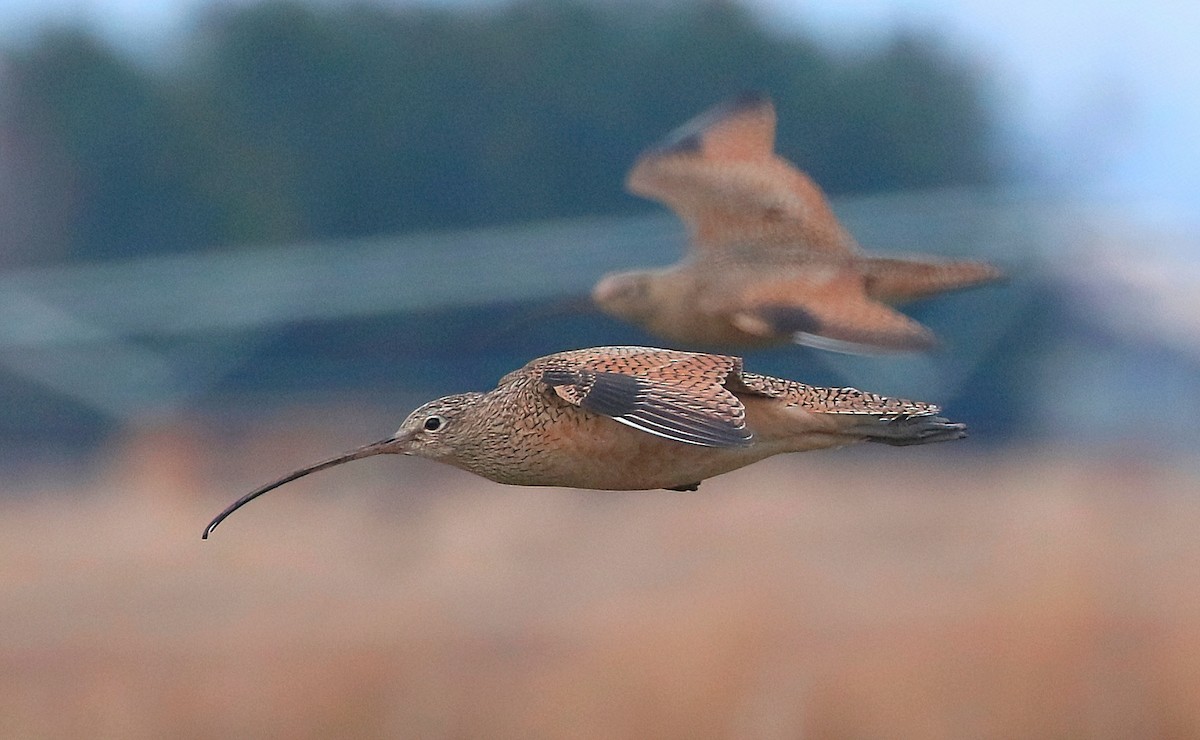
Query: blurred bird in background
[769,262]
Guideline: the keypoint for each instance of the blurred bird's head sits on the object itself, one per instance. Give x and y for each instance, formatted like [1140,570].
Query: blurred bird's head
[627,295]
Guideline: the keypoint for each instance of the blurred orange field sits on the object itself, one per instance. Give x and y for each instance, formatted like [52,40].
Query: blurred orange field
[931,592]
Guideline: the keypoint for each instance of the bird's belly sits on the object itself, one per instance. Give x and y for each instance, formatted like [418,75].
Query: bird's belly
[698,321]
[699,329]
[583,450]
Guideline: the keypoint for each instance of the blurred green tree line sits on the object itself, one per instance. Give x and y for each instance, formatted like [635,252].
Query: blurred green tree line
[284,121]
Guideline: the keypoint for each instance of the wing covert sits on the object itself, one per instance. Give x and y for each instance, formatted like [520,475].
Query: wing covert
[677,395]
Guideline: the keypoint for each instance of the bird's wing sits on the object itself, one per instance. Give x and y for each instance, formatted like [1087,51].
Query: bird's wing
[826,307]
[721,176]
[740,128]
[677,395]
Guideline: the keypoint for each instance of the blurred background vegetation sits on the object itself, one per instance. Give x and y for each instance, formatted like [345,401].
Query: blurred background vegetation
[283,121]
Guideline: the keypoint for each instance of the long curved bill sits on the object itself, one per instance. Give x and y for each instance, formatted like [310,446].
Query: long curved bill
[383,446]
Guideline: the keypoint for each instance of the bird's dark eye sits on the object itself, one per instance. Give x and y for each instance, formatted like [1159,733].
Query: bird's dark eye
[433,423]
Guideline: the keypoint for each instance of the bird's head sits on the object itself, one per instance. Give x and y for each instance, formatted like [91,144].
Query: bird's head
[431,432]
[433,429]
[626,295]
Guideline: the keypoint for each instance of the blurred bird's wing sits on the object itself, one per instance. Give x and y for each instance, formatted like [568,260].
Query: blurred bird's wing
[720,174]
[826,307]
[677,395]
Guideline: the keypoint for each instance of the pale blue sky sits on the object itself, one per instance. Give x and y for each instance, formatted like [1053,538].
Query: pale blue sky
[1104,93]
[1107,91]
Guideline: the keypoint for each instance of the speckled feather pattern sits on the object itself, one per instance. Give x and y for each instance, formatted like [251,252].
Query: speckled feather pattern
[710,382]
[834,400]
[538,426]
[677,395]
[636,418]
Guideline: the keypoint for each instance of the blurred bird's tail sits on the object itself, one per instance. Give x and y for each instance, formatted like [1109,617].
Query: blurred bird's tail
[898,280]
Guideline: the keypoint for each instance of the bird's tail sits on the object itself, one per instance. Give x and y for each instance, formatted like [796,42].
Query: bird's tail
[898,280]
[911,430]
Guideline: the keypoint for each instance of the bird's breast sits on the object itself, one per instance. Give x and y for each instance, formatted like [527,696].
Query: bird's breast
[556,444]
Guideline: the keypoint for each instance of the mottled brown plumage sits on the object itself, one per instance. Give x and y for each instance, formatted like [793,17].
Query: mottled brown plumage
[635,418]
[769,262]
